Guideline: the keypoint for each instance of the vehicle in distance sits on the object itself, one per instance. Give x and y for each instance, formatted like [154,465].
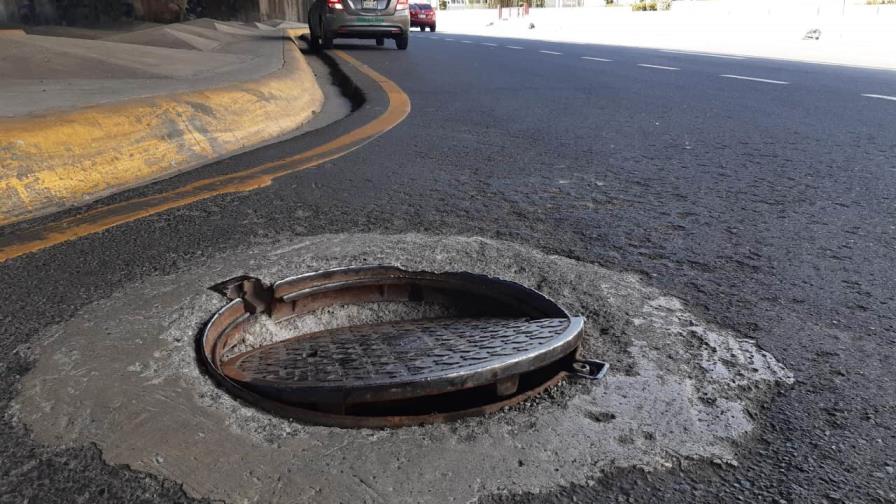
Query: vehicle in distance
[424,16]
[358,19]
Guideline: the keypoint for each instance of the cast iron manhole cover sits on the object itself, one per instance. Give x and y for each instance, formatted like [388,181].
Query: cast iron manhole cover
[507,343]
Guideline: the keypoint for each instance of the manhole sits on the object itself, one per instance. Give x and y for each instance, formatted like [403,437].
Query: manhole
[507,343]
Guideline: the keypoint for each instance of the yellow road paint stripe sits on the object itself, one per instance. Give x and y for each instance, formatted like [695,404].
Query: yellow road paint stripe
[54,233]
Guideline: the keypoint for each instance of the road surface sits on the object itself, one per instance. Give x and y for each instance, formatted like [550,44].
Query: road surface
[762,193]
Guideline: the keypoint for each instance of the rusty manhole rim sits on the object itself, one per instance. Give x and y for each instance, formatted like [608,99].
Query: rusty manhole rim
[306,293]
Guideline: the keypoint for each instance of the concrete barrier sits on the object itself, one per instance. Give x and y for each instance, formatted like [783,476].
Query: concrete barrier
[54,161]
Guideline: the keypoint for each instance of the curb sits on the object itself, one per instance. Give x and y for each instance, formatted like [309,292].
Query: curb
[378,105]
[55,161]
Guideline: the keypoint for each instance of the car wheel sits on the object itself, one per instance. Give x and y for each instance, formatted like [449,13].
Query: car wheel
[313,36]
[402,42]
[422,28]
[380,41]
[432,28]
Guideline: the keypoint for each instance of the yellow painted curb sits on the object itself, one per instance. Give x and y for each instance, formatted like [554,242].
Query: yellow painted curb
[61,160]
[296,32]
[98,219]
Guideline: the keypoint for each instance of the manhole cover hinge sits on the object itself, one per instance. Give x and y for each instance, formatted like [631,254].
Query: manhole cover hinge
[257,296]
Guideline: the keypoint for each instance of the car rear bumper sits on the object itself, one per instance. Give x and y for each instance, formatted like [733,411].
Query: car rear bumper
[348,26]
[423,22]
[368,31]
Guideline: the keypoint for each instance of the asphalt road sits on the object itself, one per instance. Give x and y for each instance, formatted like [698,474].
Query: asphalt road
[768,208]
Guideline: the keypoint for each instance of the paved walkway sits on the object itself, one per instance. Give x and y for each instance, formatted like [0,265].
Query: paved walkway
[87,113]
[58,68]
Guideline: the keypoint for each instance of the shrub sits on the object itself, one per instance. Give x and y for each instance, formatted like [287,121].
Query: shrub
[665,5]
[443,4]
[652,5]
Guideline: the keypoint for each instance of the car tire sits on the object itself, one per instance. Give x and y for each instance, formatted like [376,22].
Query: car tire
[402,42]
[432,28]
[381,41]
[422,28]
[313,36]
[326,42]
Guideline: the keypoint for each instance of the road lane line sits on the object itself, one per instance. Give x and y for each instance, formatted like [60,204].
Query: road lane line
[513,47]
[489,44]
[703,54]
[551,52]
[93,221]
[466,42]
[756,79]
[595,59]
[657,66]
[451,39]
[882,97]
[434,37]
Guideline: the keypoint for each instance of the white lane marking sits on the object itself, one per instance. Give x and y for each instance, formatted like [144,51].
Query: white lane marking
[725,56]
[513,47]
[488,44]
[769,81]
[466,42]
[657,66]
[595,59]
[434,37]
[451,39]
[882,97]
[551,52]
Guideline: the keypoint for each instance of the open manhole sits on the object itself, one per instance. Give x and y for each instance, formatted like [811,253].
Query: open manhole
[502,344]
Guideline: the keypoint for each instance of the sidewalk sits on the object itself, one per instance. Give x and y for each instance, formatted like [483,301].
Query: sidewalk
[851,33]
[85,113]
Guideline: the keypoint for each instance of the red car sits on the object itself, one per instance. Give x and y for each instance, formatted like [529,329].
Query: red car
[423,15]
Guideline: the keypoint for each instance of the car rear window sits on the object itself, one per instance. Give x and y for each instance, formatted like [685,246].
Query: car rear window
[424,6]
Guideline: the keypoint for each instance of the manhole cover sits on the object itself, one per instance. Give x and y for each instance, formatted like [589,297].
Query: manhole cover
[506,344]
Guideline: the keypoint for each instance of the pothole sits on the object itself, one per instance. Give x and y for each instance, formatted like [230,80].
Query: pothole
[122,374]
[503,343]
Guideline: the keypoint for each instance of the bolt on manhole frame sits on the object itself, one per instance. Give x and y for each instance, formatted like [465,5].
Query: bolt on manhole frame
[495,380]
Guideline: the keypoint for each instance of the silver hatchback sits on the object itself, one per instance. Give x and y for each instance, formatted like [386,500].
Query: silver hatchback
[359,19]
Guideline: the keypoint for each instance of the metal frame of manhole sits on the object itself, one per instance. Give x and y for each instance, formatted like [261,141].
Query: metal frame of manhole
[509,344]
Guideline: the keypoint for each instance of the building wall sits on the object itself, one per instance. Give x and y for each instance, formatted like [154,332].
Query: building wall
[28,12]
[289,10]
[161,11]
[277,9]
[80,12]
[8,11]
[70,12]
[236,10]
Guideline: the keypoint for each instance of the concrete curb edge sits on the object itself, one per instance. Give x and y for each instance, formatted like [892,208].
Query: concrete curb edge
[54,161]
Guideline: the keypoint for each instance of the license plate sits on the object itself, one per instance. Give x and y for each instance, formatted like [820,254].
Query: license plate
[369,4]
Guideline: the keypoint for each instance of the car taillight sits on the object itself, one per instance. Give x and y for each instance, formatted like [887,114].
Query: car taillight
[335,4]
[402,5]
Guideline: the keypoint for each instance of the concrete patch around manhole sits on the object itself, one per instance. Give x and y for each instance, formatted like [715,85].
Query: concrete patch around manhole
[123,374]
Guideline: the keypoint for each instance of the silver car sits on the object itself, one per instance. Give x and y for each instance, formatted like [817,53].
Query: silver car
[359,19]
